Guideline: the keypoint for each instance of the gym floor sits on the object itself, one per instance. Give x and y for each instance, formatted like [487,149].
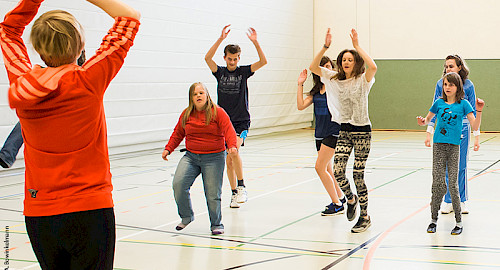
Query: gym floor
[280,226]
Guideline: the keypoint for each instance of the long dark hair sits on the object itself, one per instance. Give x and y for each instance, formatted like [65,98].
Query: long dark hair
[455,79]
[317,84]
[464,71]
[359,65]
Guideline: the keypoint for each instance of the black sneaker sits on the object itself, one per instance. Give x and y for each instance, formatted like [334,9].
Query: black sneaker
[3,163]
[457,230]
[362,224]
[432,228]
[351,209]
[332,210]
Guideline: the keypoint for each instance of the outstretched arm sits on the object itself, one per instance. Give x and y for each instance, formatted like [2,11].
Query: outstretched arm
[116,8]
[315,67]
[211,52]
[301,102]
[252,35]
[372,67]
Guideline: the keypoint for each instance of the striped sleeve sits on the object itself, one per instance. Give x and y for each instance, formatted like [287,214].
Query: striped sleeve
[14,51]
[101,68]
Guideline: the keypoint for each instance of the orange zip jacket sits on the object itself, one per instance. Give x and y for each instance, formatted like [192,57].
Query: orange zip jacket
[62,118]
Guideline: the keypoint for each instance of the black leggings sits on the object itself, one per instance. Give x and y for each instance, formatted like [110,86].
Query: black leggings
[80,240]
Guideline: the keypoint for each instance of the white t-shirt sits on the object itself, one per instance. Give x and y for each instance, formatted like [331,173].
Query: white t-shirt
[347,99]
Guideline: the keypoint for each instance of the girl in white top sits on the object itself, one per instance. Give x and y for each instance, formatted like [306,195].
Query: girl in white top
[347,96]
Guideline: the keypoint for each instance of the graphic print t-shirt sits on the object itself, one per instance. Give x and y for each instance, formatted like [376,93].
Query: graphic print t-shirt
[232,91]
[449,123]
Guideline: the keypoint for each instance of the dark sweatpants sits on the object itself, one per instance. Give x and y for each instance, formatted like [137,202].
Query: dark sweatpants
[80,240]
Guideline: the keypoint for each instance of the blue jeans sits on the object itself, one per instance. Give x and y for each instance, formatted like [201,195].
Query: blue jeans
[211,167]
[11,147]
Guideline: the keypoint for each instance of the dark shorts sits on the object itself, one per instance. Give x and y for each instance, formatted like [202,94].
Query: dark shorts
[330,141]
[240,126]
[80,240]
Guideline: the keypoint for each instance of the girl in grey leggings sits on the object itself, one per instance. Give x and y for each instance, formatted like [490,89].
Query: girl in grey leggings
[449,110]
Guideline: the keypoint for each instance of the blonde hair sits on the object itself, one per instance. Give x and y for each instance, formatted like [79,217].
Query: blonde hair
[210,107]
[58,37]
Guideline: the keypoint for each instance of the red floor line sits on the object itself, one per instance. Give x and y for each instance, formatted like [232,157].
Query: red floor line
[373,248]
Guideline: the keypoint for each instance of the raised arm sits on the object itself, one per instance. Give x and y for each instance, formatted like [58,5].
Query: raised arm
[301,102]
[211,52]
[315,67]
[14,51]
[252,35]
[116,8]
[371,66]
[476,121]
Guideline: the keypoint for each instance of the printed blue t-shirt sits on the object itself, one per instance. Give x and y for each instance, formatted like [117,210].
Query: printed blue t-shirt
[449,123]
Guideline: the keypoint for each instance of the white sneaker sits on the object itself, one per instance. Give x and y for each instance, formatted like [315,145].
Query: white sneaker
[234,203]
[242,194]
[446,208]
[465,210]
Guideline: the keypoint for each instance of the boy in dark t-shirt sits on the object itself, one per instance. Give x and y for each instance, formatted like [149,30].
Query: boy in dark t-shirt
[232,96]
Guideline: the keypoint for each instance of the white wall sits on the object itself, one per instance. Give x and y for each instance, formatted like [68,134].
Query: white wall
[144,101]
[409,29]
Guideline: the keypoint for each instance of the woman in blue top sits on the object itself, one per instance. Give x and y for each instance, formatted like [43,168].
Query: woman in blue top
[326,133]
[449,110]
[454,63]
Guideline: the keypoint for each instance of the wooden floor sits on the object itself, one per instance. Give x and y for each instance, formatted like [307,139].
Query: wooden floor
[280,227]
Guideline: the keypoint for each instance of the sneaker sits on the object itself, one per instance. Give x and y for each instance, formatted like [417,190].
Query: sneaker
[457,230]
[351,209]
[217,231]
[242,194]
[446,208]
[465,209]
[4,164]
[362,224]
[234,203]
[180,226]
[432,228]
[332,210]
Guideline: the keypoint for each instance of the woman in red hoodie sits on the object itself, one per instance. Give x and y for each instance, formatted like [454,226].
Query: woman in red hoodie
[208,130]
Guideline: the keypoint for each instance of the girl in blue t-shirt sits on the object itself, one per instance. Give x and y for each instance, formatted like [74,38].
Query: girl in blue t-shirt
[326,133]
[449,110]
[454,63]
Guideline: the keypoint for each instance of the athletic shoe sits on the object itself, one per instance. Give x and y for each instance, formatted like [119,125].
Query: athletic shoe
[3,163]
[432,228]
[217,231]
[180,226]
[362,224]
[457,230]
[465,209]
[234,203]
[446,208]
[242,194]
[351,209]
[332,210]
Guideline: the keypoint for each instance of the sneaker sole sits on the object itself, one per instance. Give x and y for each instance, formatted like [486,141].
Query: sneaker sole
[334,214]
[445,213]
[360,230]
[242,201]
[234,206]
